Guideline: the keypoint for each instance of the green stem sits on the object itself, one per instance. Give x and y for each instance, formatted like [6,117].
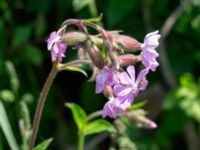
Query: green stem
[40,105]
[81,140]
[94,115]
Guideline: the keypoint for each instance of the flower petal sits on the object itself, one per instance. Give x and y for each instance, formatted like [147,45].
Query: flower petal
[142,75]
[131,72]
[120,90]
[125,79]
[112,108]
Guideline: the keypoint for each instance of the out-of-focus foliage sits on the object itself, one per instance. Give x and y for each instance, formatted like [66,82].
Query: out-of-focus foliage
[6,128]
[25,63]
[186,97]
[43,145]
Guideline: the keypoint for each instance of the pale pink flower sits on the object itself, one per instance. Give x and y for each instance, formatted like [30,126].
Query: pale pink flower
[56,46]
[129,85]
[105,77]
[149,54]
[114,108]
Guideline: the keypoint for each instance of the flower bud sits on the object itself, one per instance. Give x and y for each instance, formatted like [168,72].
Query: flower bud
[128,59]
[138,117]
[96,57]
[72,38]
[81,53]
[127,42]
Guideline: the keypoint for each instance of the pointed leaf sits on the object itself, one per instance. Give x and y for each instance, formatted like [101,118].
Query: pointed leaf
[136,106]
[78,113]
[43,145]
[6,128]
[94,20]
[99,125]
[77,69]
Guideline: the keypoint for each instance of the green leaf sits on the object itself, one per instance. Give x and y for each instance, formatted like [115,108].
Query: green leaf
[78,113]
[31,51]
[79,4]
[187,80]
[7,96]
[6,128]
[77,69]
[27,98]
[43,145]
[136,106]
[21,35]
[41,25]
[99,125]
[13,76]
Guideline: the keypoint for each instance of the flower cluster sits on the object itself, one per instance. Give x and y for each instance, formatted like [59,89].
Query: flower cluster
[106,51]
[126,85]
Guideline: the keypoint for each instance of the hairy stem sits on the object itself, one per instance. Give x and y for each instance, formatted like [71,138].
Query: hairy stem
[40,105]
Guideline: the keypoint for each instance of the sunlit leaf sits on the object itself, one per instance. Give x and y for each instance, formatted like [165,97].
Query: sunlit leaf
[187,80]
[78,113]
[99,125]
[7,96]
[6,128]
[44,145]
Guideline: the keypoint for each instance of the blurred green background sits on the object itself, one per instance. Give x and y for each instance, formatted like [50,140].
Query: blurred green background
[173,95]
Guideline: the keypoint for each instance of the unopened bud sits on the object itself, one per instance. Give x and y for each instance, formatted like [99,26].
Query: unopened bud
[81,53]
[73,38]
[127,42]
[128,59]
[96,57]
[138,117]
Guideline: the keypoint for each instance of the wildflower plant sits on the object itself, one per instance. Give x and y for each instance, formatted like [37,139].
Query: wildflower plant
[111,55]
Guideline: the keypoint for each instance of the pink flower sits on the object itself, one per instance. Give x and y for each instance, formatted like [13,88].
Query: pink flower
[57,48]
[129,86]
[105,77]
[114,108]
[149,53]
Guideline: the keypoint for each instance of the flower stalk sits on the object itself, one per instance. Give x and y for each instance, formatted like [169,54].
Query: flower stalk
[81,139]
[40,105]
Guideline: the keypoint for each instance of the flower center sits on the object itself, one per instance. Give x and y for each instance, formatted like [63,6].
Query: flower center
[134,88]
